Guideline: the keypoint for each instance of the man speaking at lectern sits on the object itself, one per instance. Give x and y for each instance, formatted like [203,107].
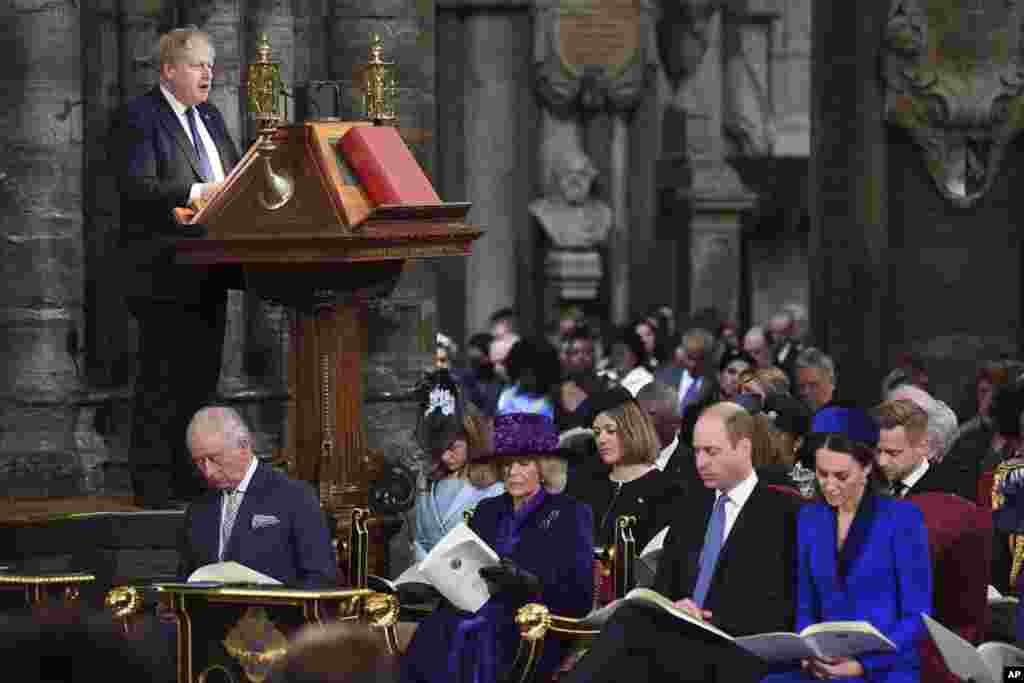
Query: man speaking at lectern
[171,149]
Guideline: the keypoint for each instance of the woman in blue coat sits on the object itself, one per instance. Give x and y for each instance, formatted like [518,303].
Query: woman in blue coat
[546,544]
[861,556]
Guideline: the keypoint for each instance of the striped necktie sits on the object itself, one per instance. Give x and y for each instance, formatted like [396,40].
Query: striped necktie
[232,501]
[205,168]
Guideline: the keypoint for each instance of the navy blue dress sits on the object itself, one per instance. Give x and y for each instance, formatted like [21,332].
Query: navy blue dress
[551,536]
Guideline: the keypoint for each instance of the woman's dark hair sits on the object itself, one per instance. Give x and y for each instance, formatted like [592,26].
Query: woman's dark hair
[861,454]
[533,363]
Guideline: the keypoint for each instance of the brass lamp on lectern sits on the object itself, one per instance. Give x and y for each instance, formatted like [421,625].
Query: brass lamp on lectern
[379,86]
[266,93]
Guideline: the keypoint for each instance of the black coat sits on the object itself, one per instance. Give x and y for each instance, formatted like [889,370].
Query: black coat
[650,498]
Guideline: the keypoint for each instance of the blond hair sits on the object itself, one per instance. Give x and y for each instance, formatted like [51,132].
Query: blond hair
[178,44]
[902,413]
[640,443]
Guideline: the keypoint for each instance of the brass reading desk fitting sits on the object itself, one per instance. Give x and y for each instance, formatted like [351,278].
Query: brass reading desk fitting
[266,100]
[379,85]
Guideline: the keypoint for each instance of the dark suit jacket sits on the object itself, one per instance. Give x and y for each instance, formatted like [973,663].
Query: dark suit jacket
[682,467]
[887,579]
[156,166]
[752,590]
[945,477]
[296,550]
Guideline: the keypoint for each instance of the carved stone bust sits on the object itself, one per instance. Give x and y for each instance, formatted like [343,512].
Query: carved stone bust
[571,218]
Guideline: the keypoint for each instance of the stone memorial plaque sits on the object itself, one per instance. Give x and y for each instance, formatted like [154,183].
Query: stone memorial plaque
[599,33]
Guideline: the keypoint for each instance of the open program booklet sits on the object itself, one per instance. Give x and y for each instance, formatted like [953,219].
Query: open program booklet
[453,568]
[827,639]
[964,660]
[230,572]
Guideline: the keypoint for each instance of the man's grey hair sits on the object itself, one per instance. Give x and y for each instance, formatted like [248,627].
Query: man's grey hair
[755,332]
[177,45]
[812,357]
[219,420]
[942,422]
[661,393]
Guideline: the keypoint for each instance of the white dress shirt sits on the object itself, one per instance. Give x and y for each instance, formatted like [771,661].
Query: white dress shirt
[915,475]
[685,382]
[240,492]
[738,497]
[204,137]
[636,379]
[666,453]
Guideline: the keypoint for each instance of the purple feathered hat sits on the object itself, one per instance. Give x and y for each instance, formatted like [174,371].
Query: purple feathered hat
[524,434]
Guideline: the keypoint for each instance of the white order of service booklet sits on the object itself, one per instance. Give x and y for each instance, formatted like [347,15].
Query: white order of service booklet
[827,639]
[453,568]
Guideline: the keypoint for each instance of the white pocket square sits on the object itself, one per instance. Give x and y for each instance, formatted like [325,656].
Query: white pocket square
[260,521]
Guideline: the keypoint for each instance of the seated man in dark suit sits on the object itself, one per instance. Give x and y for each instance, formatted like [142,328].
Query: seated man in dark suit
[676,459]
[254,515]
[729,559]
[904,454]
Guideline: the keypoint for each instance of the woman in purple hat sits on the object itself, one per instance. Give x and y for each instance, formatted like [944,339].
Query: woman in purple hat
[546,544]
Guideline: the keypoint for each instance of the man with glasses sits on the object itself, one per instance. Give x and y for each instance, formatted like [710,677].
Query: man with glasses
[171,148]
[253,514]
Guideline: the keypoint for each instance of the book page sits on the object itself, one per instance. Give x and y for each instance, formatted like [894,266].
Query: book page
[230,572]
[645,596]
[959,655]
[777,647]
[846,639]
[453,568]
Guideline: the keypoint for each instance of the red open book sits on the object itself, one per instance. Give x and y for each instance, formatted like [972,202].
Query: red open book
[385,166]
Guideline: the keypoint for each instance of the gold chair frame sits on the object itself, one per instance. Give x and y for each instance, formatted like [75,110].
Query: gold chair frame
[535,621]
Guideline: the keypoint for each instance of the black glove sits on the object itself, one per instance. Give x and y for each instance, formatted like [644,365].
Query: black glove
[417,593]
[508,576]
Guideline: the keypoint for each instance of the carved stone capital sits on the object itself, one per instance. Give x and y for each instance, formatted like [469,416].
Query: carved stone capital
[954,80]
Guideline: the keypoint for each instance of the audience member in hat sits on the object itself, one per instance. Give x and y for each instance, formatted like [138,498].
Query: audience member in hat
[627,481]
[764,382]
[546,544]
[456,447]
[853,423]
[631,361]
[861,556]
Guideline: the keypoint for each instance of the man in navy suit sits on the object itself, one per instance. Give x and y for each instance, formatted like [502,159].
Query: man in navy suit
[254,515]
[172,149]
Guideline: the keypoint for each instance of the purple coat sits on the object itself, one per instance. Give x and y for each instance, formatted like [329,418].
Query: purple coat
[551,537]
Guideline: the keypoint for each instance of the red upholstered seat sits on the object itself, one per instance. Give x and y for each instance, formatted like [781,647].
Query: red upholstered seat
[985,483]
[787,489]
[960,541]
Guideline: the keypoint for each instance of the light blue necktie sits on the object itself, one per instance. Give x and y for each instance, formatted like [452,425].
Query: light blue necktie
[691,394]
[205,168]
[713,538]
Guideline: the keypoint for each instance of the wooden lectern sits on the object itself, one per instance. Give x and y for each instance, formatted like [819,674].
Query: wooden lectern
[304,232]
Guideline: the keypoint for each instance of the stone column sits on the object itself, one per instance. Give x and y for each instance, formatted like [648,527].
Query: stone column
[717,196]
[41,222]
[849,233]
[494,143]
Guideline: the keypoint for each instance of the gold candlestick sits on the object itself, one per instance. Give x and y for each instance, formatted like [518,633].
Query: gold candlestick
[265,105]
[379,85]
